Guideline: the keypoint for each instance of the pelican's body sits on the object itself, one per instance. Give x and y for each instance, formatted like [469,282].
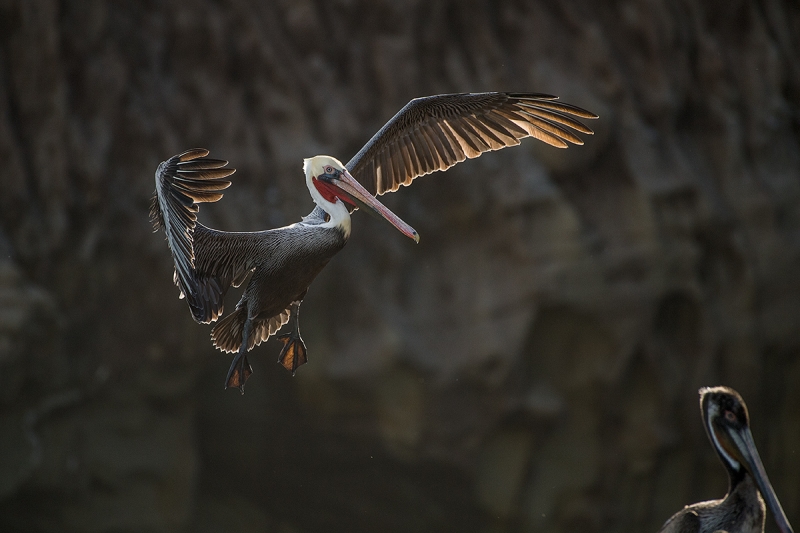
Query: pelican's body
[427,135]
[742,510]
[284,263]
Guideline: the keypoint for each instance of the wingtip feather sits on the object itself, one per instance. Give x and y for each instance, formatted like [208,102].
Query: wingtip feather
[192,153]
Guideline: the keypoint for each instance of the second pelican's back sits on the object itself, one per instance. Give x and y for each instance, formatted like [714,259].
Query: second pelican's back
[722,515]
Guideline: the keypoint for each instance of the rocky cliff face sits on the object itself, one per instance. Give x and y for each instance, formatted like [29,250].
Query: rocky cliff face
[531,365]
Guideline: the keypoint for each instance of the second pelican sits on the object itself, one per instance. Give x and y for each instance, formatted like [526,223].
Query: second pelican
[742,510]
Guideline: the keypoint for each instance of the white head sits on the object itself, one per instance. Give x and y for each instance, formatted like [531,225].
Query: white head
[321,190]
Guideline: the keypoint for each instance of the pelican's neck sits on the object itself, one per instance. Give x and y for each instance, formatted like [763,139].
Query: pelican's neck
[736,471]
[340,216]
[338,212]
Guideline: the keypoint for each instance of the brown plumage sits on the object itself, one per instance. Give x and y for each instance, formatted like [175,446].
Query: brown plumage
[436,132]
[428,134]
[742,510]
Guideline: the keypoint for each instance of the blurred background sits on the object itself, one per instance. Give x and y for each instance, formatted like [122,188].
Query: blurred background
[532,365]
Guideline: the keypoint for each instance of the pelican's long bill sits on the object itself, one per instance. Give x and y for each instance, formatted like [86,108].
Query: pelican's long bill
[747,448]
[359,196]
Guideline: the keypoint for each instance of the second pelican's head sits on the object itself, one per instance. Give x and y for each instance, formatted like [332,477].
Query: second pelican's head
[332,186]
[728,426]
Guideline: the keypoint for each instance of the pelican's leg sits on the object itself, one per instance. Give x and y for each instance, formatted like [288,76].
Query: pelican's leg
[293,353]
[240,369]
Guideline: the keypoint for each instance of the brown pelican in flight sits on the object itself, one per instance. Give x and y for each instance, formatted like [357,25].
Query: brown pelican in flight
[428,134]
[726,421]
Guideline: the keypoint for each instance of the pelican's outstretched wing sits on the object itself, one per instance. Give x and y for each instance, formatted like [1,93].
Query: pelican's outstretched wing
[182,182]
[436,132]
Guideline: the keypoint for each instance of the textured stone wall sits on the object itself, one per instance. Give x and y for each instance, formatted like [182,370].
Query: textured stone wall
[531,365]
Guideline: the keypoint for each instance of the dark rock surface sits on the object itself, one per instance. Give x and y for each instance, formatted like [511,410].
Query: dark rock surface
[531,365]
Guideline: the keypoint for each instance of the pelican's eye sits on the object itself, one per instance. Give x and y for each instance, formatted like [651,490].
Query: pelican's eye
[729,416]
[329,170]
